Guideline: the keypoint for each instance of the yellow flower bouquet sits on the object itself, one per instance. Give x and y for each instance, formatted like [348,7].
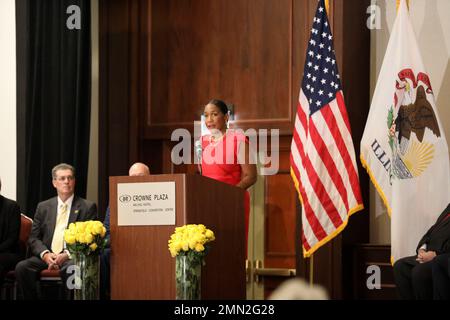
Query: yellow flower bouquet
[189,244]
[85,240]
[87,237]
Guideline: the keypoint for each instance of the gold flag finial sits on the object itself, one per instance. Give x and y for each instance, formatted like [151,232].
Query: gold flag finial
[327,6]
[398,4]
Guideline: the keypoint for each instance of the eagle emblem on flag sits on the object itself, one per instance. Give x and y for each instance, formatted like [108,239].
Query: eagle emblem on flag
[408,121]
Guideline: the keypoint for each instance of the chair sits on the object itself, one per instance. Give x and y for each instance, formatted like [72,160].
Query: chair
[48,278]
[52,279]
[25,229]
[10,278]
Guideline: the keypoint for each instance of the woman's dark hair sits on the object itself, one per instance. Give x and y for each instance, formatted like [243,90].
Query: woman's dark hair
[220,104]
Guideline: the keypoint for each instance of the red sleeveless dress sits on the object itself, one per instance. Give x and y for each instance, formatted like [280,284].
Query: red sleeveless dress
[219,162]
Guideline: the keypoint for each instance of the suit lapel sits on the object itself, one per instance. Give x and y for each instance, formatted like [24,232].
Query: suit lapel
[52,213]
[74,210]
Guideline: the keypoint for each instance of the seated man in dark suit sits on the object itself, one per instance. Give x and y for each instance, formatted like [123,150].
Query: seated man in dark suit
[413,275]
[441,277]
[47,234]
[9,235]
[137,169]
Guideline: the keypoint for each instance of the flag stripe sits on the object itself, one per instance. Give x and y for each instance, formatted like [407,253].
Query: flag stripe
[340,146]
[305,242]
[313,225]
[345,134]
[341,104]
[349,163]
[311,179]
[301,113]
[309,197]
[333,173]
[331,189]
[317,228]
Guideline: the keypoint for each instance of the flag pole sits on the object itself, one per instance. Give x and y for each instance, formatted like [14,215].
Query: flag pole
[327,6]
[311,270]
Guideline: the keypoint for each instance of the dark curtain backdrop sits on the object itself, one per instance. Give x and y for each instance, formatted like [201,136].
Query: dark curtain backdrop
[54,96]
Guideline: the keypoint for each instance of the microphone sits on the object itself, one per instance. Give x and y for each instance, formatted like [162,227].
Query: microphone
[198,152]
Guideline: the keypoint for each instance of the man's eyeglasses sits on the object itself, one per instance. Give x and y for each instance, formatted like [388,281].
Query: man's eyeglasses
[69,178]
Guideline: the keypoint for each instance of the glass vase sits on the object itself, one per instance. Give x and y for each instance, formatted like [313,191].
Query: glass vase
[87,278]
[187,278]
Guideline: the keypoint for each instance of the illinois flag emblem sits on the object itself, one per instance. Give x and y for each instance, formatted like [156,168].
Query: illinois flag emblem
[403,147]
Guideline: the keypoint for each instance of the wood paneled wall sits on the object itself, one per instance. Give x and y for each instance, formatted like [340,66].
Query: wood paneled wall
[163,60]
[240,52]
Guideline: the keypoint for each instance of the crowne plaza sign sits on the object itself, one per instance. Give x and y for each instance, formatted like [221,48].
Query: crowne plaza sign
[146,203]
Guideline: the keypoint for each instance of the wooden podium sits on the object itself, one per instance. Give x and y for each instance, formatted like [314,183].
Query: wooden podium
[141,264]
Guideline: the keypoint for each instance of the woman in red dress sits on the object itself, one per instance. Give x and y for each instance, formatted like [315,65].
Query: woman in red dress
[226,153]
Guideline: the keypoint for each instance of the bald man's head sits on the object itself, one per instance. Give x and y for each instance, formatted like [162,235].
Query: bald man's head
[139,169]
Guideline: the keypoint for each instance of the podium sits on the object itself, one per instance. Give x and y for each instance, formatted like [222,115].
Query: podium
[141,265]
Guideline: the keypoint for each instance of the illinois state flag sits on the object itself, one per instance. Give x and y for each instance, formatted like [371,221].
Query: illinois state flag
[403,147]
[323,162]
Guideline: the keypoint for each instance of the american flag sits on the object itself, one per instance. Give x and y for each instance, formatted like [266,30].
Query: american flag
[323,164]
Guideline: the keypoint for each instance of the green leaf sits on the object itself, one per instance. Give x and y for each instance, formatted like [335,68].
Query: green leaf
[390,118]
